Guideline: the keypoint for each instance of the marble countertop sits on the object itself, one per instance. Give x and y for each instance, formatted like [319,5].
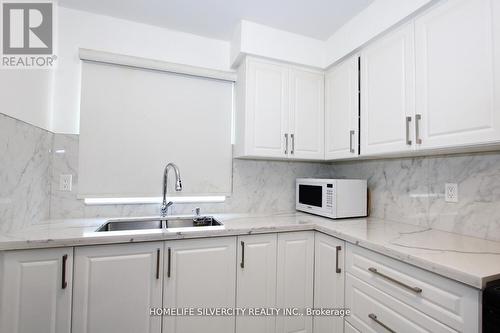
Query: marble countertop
[472,261]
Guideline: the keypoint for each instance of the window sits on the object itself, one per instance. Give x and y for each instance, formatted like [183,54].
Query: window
[133,121]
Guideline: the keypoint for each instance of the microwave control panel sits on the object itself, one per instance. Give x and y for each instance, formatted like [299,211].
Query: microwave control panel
[329,195]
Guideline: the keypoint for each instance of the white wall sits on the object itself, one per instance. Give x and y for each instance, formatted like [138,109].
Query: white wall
[51,100]
[368,24]
[25,94]
[256,39]
[79,29]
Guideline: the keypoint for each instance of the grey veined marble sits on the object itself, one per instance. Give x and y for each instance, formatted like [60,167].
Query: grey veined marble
[25,169]
[408,190]
[411,190]
[258,187]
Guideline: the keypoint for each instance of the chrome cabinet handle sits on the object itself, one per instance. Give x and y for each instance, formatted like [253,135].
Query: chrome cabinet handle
[404,285]
[64,283]
[408,140]
[373,317]
[337,268]
[242,264]
[292,137]
[351,140]
[157,264]
[286,143]
[418,117]
[169,261]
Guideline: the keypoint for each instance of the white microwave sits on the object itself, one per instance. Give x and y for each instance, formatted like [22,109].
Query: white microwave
[333,198]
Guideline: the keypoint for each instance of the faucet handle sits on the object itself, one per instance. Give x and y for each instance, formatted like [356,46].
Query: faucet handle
[196,211]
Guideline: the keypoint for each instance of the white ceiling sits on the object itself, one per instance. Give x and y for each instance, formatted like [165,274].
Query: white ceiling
[217,18]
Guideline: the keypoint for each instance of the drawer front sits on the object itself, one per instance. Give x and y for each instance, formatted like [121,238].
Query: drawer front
[348,328]
[449,302]
[375,311]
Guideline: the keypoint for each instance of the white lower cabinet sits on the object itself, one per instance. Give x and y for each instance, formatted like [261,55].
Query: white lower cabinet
[115,286]
[348,328]
[328,282]
[295,273]
[384,292]
[376,311]
[256,281]
[35,291]
[201,274]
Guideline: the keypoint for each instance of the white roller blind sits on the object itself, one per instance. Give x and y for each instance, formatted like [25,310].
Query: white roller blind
[134,121]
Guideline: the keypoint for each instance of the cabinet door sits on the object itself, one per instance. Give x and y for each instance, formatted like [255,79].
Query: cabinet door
[387,93]
[342,111]
[256,281]
[200,274]
[115,287]
[328,281]
[295,280]
[307,114]
[267,109]
[455,66]
[35,294]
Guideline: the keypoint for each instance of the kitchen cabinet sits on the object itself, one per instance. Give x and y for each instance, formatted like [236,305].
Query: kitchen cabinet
[262,97]
[342,110]
[36,290]
[329,276]
[115,286]
[381,290]
[256,281]
[200,274]
[279,111]
[388,93]
[307,111]
[348,328]
[457,60]
[295,272]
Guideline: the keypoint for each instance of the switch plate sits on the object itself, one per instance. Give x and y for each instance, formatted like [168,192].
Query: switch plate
[451,192]
[65,183]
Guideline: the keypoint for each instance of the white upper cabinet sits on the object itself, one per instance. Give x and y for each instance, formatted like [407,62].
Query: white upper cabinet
[307,114]
[341,110]
[387,93]
[264,111]
[456,93]
[279,111]
[256,281]
[35,291]
[200,273]
[115,286]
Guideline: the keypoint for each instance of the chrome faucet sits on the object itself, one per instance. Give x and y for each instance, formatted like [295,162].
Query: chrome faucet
[178,187]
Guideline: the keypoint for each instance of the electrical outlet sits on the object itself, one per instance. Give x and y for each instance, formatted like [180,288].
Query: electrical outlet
[65,183]
[451,192]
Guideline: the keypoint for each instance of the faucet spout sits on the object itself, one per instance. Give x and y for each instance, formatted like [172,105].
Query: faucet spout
[178,186]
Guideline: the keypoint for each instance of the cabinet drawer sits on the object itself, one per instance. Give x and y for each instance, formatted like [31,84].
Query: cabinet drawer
[375,311]
[348,328]
[448,301]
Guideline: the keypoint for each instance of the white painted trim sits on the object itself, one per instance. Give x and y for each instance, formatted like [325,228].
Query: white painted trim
[159,65]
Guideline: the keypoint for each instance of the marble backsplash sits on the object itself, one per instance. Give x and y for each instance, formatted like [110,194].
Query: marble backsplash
[258,187]
[25,173]
[411,190]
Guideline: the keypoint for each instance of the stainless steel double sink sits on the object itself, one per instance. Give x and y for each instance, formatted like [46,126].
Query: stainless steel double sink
[168,222]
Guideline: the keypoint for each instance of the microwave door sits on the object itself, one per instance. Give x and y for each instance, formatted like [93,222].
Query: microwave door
[311,195]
